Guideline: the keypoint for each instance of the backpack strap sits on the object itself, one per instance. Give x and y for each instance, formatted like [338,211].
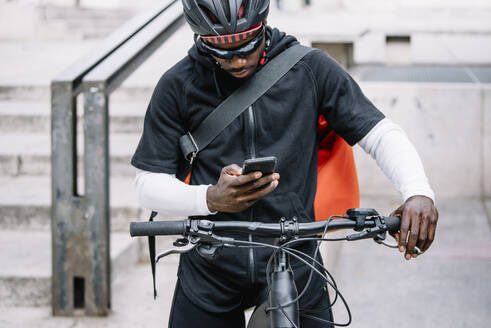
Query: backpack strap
[151,247]
[192,142]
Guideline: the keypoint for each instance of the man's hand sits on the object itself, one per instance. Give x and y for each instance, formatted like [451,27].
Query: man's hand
[235,192]
[418,224]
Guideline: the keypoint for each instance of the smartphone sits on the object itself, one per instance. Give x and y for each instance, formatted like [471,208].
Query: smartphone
[266,165]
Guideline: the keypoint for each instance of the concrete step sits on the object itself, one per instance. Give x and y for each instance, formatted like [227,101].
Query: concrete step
[24,91]
[25,203]
[26,280]
[132,303]
[53,12]
[35,116]
[29,91]
[86,22]
[42,61]
[30,154]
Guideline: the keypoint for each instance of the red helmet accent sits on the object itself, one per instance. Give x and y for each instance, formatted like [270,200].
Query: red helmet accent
[231,38]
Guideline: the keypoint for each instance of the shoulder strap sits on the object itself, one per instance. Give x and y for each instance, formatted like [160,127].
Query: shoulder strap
[237,102]
[151,247]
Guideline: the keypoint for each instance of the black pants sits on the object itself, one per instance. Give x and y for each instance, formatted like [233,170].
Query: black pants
[184,314]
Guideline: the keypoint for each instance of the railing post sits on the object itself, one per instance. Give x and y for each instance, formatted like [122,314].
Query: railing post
[80,223]
[96,165]
[68,226]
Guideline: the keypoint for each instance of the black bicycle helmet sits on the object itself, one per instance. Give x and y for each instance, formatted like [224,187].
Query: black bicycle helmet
[220,17]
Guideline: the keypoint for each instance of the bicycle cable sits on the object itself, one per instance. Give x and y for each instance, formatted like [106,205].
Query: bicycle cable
[328,282]
[328,273]
[333,285]
[313,258]
[286,316]
[307,284]
[312,270]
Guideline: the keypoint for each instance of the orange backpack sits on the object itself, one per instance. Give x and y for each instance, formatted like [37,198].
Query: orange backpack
[337,181]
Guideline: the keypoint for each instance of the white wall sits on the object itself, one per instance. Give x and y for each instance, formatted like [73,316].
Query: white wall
[487,143]
[449,124]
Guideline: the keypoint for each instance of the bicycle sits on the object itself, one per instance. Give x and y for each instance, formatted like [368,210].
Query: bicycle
[281,310]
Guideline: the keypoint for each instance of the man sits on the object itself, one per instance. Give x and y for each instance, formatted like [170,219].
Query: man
[232,42]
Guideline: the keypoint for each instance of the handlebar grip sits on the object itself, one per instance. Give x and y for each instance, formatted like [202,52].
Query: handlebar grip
[393,223]
[157,228]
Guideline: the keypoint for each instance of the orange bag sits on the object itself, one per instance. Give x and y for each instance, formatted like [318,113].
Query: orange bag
[337,181]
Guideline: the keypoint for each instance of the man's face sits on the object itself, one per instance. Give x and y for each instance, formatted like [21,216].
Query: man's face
[241,67]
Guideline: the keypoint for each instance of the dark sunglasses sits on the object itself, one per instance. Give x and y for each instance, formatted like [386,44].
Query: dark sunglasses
[242,51]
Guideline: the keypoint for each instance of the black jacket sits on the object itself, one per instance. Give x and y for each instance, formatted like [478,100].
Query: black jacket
[282,123]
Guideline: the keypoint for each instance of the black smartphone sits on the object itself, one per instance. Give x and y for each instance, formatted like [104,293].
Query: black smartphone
[266,165]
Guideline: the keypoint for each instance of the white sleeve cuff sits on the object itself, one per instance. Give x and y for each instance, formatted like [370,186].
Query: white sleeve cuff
[398,159]
[172,198]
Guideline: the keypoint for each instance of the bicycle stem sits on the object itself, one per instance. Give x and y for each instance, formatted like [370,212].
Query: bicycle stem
[283,291]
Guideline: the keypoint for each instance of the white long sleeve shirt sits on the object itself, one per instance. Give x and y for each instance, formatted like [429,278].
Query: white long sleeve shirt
[386,143]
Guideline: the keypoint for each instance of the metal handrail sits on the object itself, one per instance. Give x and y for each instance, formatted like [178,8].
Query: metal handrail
[75,72]
[130,55]
[81,223]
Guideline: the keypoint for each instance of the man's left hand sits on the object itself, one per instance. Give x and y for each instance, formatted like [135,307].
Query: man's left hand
[419,217]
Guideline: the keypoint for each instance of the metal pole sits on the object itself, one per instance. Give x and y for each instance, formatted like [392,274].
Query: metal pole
[96,165]
[68,227]
[80,223]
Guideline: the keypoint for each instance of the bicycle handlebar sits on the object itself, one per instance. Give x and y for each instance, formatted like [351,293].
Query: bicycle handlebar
[158,228]
[208,237]
[182,227]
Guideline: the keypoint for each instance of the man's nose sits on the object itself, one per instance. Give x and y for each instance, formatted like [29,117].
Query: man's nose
[237,62]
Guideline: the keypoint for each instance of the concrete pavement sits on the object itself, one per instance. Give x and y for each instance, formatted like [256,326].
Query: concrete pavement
[132,304]
[446,287]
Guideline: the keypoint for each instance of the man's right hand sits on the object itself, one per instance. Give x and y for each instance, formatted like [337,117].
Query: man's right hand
[235,192]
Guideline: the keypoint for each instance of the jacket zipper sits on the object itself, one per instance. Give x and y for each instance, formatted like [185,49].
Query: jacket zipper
[252,140]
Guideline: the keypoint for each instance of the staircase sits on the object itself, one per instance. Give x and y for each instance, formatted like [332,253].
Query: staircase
[25,185]
[84,22]
[25,171]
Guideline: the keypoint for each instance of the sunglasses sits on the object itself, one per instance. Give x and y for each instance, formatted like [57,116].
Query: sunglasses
[242,51]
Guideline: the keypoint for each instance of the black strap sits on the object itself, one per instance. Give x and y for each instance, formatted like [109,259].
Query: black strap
[151,247]
[241,99]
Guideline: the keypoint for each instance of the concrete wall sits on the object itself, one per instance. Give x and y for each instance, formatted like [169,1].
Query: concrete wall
[99,4]
[370,48]
[384,5]
[449,48]
[487,142]
[449,124]
[443,48]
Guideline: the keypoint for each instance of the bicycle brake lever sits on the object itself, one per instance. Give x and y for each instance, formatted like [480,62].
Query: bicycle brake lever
[377,234]
[175,250]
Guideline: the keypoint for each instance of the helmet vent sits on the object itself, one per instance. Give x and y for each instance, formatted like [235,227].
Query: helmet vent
[226,8]
[242,10]
[209,14]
